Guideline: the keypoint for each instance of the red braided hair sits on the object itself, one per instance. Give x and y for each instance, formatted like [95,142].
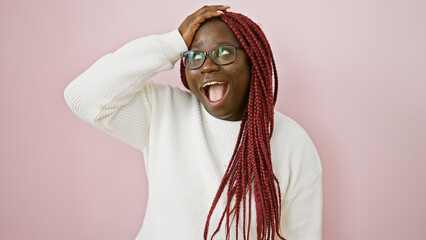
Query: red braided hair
[250,167]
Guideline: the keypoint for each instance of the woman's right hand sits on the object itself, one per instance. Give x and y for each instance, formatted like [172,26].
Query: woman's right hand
[191,23]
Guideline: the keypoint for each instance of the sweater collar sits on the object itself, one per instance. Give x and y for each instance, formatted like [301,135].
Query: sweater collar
[219,125]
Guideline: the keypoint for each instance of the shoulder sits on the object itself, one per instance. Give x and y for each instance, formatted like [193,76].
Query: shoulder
[295,152]
[171,100]
[287,127]
[291,135]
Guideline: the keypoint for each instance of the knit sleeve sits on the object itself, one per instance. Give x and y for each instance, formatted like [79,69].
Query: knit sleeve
[114,94]
[302,205]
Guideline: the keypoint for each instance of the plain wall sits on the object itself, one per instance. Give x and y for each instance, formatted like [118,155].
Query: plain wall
[352,73]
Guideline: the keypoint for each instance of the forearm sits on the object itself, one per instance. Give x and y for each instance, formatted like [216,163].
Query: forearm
[111,91]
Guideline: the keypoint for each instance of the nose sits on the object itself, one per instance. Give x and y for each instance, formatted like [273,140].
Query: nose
[209,66]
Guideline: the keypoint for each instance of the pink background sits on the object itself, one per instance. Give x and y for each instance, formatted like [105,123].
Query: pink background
[352,73]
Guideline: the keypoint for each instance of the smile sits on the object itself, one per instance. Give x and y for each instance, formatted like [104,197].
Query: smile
[215,91]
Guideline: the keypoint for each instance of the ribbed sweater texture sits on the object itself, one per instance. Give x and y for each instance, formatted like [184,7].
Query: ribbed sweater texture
[186,150]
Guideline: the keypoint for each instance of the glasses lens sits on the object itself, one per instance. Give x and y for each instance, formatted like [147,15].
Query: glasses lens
[224,54]
[193,59]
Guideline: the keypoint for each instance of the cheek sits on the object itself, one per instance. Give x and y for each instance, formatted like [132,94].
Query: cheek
[244,85]
[244,69]
[245,75]
[190,78]
[247,67]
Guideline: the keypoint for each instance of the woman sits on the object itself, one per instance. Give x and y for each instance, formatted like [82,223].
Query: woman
[219,154]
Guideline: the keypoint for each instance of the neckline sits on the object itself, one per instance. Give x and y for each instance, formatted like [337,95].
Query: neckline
[219,125]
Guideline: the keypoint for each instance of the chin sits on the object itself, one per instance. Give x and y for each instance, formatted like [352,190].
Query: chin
[224,115]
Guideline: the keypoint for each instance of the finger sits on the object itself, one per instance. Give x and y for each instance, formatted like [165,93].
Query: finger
[206,15]
[212,8]
[211,14]
[208,12]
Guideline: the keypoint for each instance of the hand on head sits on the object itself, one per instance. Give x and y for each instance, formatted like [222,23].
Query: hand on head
[191,23]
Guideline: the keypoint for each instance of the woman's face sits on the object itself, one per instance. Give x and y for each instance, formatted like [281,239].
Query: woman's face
[225,94]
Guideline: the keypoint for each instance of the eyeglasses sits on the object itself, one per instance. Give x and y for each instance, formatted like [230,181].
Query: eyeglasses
[221,55]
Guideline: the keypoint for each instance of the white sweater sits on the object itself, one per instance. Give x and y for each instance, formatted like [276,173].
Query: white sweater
[186,150]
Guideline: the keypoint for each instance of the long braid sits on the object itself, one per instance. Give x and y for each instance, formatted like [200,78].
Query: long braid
[250,169]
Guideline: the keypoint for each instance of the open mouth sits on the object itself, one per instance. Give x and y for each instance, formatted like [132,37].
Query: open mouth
[215,91]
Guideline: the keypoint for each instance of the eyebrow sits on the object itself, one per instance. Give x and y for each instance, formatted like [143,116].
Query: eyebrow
[217,44]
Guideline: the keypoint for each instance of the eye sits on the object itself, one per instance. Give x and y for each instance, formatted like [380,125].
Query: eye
[198,57]
[223,51]
[195,56]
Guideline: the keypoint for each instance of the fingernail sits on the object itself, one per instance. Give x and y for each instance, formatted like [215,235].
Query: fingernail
[227,6]
[219,11]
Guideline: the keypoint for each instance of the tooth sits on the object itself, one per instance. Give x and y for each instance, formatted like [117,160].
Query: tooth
[212,83]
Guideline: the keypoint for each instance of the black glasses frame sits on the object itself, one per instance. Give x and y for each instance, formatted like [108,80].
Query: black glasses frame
[210,54]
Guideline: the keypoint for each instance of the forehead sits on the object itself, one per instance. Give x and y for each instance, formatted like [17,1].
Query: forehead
[212,34]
